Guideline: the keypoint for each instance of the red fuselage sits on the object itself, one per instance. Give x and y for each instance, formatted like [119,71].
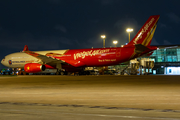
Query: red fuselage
[100,56]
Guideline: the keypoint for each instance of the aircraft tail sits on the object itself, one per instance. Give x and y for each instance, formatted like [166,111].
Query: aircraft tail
[146,33]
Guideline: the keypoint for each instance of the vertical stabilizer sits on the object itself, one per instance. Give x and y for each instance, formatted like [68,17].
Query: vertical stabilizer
[146,33]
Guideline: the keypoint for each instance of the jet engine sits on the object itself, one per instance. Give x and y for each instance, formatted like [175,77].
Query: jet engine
[34,67]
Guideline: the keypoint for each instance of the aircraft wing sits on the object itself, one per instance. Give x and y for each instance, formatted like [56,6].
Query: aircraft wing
[43,58]
[51,60]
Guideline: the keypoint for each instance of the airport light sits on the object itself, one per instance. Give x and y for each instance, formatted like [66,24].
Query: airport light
[115,42]
[129,30]
[103,37]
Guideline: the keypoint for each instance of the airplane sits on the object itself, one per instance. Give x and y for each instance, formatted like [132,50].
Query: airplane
[77,59]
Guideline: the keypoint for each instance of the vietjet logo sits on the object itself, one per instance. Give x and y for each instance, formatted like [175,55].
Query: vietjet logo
[146,27]
[90,53]
[10,62]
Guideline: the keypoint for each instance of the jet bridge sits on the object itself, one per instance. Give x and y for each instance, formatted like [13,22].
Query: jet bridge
[141,66]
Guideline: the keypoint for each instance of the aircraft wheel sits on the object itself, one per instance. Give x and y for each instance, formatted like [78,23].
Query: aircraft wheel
[61,73]
[58,72]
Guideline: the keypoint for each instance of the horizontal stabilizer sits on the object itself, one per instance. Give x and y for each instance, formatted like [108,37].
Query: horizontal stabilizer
[139,48]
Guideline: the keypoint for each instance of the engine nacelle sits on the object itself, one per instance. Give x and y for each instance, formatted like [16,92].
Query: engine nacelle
[34,67]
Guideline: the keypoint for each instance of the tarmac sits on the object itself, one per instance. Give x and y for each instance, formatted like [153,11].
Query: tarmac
[90,97]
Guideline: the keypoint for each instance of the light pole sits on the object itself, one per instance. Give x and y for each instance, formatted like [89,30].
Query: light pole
[103,37]
[129,30]
[115,42]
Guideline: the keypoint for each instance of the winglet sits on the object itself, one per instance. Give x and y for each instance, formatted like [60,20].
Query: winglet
[25,48]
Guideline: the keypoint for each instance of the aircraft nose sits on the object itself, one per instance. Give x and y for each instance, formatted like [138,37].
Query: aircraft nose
[2,61]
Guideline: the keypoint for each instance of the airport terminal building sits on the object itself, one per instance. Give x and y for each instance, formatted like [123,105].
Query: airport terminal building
[167,61]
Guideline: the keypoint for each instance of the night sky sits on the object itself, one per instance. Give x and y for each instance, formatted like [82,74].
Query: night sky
[74,24]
